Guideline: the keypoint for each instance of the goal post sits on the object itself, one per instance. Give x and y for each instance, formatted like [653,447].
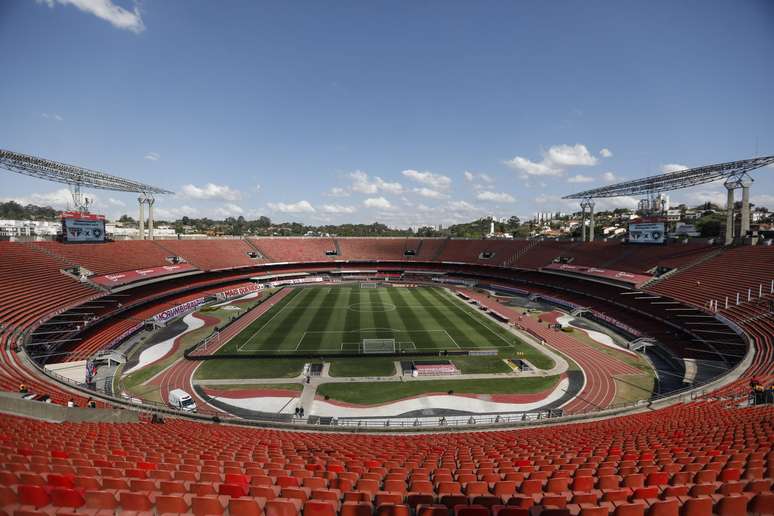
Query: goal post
[369,346]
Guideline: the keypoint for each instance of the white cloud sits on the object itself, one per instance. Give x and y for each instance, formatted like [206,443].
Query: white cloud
[229,210]
[495,197]
[610,177]
[435,181]
[298,207]
[337,208]
[670,168]
[363,184]
[462,206]
[258,188]
[570,155]
[337,192]
[153,156]
[108,11]
[430,193]
[393,188]
[555,160]
[59,199]
[580,178]
[605,153]
[377,202]
[54,116]
[116,202]
[211,191]
[472,176]
[175,213]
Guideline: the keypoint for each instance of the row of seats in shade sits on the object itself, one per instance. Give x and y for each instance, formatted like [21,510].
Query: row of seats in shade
[34,500]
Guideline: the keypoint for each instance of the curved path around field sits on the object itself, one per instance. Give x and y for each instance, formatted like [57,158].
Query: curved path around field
[180,374]
[160,350]
[598,368]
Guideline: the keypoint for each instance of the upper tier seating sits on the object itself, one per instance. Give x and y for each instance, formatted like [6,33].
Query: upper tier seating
[375,248]
[731,272]
[614,254]
[471,251]
[111,256]
[211,255]
[295,249]
[32,284]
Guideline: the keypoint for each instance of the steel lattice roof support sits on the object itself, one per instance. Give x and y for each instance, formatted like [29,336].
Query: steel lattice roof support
[75,177]
[676,180]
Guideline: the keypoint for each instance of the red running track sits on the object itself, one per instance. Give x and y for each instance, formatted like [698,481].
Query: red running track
[179,374]
[598,367]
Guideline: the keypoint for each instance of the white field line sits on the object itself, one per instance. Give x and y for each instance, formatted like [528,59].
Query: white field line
[452,339]
[456,304]
[244,344]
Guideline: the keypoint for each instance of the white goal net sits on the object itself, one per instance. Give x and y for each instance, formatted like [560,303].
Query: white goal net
[378,346]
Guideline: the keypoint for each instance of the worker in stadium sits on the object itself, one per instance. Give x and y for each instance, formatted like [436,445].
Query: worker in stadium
[23,388]
[770,394]
[91,403]
[759,393]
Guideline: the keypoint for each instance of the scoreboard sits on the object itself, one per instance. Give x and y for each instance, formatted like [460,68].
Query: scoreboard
[82,227]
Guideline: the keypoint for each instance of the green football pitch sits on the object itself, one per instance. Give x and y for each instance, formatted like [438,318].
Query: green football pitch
[337,319]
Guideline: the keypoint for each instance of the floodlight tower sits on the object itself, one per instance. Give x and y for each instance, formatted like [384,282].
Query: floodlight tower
[735,174]
[78,177]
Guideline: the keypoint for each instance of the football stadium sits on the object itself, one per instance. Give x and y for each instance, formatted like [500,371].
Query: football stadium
[614,360]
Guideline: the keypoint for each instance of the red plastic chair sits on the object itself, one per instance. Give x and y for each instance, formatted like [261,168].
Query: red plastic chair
[282,507]
[171,504]
[245,507]
[208,505]
[34,495]
[134,501]
[389,509]
[354,509]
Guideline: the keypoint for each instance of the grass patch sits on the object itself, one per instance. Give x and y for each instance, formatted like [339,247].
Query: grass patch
[362,367]
[481,365]
[250,368]
[380,392]
[633,387]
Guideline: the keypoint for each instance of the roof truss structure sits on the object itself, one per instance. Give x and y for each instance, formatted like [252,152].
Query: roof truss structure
[71,175]
[676,180]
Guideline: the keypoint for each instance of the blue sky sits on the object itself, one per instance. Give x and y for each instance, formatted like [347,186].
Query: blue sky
[404,112]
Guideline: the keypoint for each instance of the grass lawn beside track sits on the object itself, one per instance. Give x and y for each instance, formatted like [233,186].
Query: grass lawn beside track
[381,392]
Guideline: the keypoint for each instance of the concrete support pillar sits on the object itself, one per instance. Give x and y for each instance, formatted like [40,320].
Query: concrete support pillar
[583,222]
[730,216]
[141,200]
[591,222]
[150,202]
[745,227]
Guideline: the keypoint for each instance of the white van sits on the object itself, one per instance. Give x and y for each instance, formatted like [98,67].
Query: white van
[180,399]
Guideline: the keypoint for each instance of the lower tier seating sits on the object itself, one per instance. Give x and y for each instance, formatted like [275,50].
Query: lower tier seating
[690,459]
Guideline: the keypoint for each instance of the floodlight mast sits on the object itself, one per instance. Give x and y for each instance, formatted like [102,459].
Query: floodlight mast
[77,177]
[735,174]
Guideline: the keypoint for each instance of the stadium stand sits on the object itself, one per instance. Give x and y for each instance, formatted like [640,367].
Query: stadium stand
[708,456]
[475,251]
[115,257]
[700,455]
[742,270]
[370,248]
[209,256]
[296,249]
